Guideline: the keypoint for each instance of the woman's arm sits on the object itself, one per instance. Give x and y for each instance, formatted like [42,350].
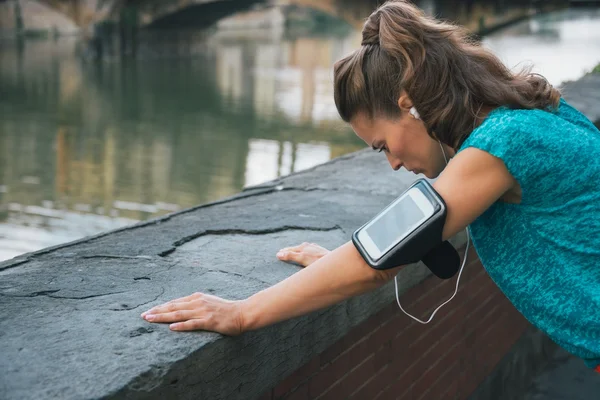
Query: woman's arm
[469,185]
[339,275]
[472,182]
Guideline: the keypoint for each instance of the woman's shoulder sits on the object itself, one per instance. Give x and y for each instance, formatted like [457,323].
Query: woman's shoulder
[534,144]
[503,126]
[517,126]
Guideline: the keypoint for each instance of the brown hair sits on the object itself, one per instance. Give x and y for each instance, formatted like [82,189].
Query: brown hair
[446,74]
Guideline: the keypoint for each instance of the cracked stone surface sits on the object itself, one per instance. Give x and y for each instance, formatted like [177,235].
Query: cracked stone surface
[69,315]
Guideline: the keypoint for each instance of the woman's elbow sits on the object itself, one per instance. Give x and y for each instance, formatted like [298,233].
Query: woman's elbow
[385,275]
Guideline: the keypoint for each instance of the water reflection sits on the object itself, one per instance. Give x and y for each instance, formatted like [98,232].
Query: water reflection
[269,159]
[88,147]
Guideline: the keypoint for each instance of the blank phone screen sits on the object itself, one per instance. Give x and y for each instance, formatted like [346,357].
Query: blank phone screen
[395,223]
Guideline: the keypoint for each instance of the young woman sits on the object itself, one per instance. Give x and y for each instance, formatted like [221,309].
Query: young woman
[524,174]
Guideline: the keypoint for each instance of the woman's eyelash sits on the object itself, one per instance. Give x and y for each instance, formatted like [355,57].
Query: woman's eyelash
[382,148]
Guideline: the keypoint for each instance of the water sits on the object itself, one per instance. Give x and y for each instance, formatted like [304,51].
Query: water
[88,147]
[562,46]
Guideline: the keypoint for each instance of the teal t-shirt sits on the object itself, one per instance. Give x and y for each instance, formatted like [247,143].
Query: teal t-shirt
[544,253]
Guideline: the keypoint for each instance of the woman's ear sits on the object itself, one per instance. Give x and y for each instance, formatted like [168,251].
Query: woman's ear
[404,102]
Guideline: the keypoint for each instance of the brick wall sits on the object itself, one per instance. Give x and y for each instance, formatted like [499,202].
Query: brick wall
[390,356]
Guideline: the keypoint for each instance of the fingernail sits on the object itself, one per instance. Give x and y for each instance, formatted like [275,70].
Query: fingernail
[150,317]
[144,314]
[174,326]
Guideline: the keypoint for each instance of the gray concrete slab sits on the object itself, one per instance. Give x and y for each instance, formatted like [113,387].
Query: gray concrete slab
[69,316]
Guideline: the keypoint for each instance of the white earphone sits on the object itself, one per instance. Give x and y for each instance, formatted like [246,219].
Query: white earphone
[413,111]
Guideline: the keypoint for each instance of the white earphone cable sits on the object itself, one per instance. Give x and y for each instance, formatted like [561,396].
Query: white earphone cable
[459,273]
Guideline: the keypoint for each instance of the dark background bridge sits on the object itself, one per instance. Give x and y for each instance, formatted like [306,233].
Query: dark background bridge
[113,26]
[88,15]
[153,13]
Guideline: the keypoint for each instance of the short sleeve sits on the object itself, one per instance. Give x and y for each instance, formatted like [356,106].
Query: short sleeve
[536,146]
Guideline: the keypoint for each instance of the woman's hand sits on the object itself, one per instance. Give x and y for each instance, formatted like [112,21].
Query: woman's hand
[334,277]
[304,254]
[206,312]
[200,312]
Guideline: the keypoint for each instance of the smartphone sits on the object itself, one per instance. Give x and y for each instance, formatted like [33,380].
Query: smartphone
[403,216]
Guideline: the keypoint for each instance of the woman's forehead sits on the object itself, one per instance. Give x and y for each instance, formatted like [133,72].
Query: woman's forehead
[363,127]
[370,129]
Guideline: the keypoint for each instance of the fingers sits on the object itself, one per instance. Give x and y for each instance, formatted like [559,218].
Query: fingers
[306,246]
[175,316]
[299,247]
[171,306]
[190,325]
[303,254]
[293,256]
[294,253]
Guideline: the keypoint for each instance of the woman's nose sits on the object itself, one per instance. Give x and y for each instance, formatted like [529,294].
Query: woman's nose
[395,163]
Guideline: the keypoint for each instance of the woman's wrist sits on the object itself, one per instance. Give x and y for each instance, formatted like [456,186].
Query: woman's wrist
[247,319]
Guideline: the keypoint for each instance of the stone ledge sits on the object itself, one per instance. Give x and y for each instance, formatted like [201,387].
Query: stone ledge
[70,314]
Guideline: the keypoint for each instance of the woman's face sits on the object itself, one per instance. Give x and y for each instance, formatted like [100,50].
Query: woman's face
[404,141]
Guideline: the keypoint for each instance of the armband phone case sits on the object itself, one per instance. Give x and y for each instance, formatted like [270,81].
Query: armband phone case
[419,242]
